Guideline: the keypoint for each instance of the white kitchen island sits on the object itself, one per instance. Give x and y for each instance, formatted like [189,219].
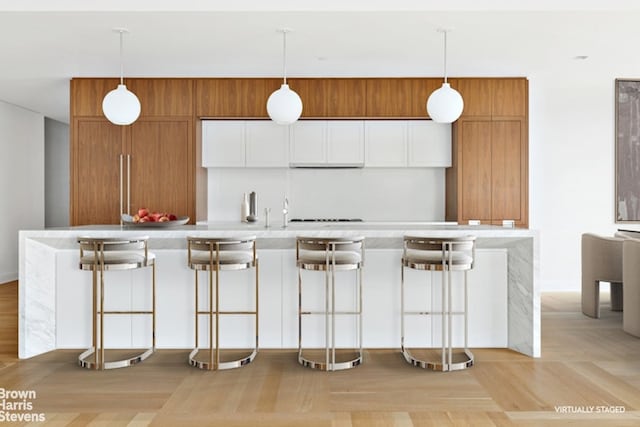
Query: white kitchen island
[55,309]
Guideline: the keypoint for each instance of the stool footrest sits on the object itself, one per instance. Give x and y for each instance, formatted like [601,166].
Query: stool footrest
[331,366]
[231,364]
[465,361]
[124,363]
[227,312]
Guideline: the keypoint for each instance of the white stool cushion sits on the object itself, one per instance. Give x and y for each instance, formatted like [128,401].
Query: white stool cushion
[118,257]
[435,257]
[320,257]
[226,257]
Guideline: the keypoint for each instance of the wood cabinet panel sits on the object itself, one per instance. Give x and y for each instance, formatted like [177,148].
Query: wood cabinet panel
[160,172]
[476,94]
[96,155]
[87,95]
[389,97]
[163,97]
[313,93]
[346,97]
[507,172]
[510,97]
[331,97]
[475,171]
[234,97]
[422,89]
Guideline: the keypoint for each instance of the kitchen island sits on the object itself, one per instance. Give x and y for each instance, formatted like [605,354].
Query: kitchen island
[54,295]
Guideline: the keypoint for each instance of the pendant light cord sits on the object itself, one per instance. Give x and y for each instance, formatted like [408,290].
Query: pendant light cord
[121,61]
[284,55]
[445,56]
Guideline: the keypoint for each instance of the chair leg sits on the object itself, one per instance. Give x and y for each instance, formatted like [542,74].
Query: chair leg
[616,296]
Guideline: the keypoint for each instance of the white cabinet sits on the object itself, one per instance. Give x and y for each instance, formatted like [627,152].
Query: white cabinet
[402,143]
[308,143]
[240,143]
[375,143]
[339,143]
[429,144]
[223,143]
[385,143]
[266,144]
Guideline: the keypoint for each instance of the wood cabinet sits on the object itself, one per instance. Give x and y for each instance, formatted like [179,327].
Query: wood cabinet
[118,169]
[96,158]
[331,97]
[493,97]
[158,97]
[234,97]
[488,181]
[390,97]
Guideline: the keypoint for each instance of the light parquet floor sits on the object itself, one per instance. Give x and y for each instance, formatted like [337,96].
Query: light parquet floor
[587,365]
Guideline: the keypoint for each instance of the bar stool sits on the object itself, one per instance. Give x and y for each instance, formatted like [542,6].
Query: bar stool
[445,255]
[215,255]
[99,255]
[330,255]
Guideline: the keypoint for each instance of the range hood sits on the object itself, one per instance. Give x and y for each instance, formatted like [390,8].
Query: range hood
[326,165]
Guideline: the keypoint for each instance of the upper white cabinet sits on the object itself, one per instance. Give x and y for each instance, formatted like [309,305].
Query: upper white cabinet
[370,143]
[239,143]
[266,144]
[386,143]
[413,143]
[428,144]
[331,142]
[223,143]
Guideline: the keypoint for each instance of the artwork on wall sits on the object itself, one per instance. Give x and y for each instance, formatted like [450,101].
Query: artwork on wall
[627,150]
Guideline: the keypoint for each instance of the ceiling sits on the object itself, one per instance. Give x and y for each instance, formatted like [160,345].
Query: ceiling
[41,49]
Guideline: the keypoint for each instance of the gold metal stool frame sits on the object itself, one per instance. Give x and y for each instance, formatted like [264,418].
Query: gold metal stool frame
[340,254]
[221,254]
[114,254]
[445,255]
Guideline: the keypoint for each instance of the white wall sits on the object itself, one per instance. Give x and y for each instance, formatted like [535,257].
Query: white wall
[572,164]
[411,194]
[21,181]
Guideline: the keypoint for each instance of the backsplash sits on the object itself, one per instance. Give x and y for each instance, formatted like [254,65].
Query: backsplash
[385,194]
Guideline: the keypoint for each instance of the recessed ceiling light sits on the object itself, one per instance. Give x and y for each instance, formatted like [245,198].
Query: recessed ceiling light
[581,57]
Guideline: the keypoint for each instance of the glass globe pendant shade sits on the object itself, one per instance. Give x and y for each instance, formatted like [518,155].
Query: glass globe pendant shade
[445,105]
[284,106]
[121,106]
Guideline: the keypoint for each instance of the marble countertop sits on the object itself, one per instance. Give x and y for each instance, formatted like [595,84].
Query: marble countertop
[367,229]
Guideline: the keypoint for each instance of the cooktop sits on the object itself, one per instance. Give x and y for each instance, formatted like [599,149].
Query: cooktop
[326,219]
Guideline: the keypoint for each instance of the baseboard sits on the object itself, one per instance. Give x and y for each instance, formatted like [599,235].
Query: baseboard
[8,277]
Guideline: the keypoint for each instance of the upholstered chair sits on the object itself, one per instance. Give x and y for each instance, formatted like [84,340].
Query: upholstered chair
[631,280]
[601,262]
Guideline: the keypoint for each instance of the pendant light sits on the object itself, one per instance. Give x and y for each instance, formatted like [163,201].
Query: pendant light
[284,106]
[121,106]
[445,104]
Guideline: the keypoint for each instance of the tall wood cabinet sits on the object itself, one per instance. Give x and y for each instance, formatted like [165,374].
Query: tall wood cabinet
[488,180]
[116,169]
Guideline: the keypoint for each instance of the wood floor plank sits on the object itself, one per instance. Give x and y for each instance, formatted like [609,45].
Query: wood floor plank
[9,319]
[585,362]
